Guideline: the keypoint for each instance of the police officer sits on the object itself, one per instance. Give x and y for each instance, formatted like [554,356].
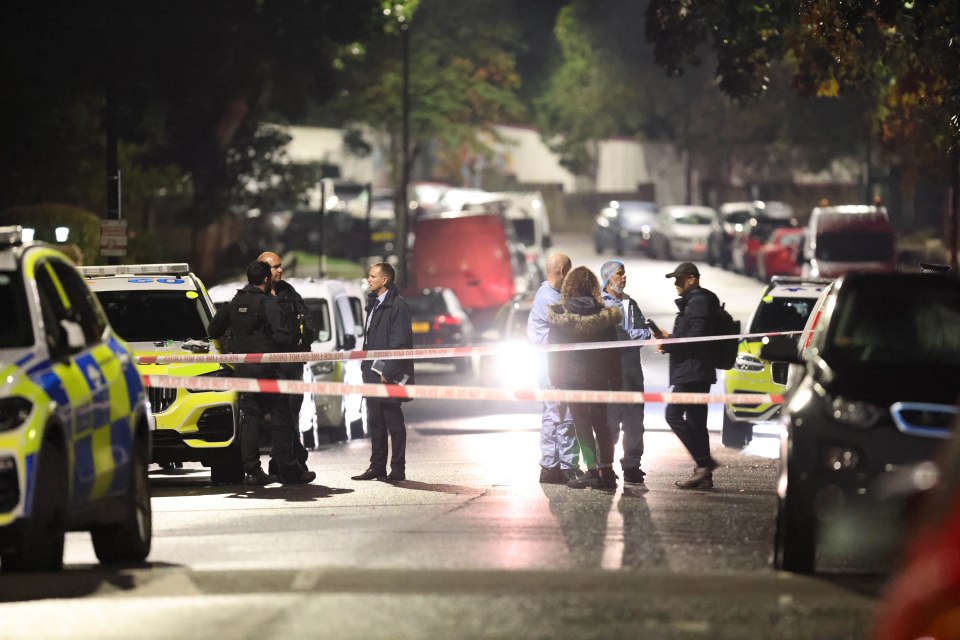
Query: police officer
[295,311]
[257,325]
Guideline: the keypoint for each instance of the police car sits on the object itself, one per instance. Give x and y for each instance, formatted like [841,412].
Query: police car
[784,305]
[74,429]
[164,309]
[336,309]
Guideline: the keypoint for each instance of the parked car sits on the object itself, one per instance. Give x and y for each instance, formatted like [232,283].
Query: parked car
[516,366]
[438,320]
[876,388]
[922,598]
[780,255]
[845,238]
[682,232]
[468,253]
[625,225]
[337,313]
[164,309]
[74,424]
[747,243]
[784,305]
[731,219]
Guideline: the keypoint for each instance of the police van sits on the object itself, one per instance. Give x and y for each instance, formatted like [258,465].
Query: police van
[164,309]
[74,425]
[336,309]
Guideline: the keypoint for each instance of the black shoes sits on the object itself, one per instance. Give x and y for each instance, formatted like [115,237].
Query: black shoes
[589,480]
[633,476]
[396,476]
[552,475]
[371,474]
[258,479]
[304,477]
[701,478]
[608,480]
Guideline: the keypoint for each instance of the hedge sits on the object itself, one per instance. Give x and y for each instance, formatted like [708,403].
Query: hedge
[45,218]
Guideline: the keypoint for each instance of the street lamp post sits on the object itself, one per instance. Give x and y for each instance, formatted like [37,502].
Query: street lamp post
[402,199]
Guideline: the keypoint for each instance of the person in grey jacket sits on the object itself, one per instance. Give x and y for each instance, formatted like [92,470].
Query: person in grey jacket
[388,328]
[626,417]
[559,453]
[691,371]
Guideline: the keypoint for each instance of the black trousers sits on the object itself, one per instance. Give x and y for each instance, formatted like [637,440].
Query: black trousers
[689,422]
[383,419]
[260,411]
[593,435]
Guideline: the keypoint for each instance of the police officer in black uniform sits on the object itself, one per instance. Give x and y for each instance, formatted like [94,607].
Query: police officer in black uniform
[257,325]
[295,312]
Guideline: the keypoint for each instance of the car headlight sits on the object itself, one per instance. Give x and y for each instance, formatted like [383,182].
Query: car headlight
[14,412]
[748,362]
[855,413]
[222,372]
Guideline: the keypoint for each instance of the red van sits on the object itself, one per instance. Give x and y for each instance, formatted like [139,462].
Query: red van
[468,253]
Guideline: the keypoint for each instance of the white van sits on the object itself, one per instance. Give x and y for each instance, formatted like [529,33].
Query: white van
[337,312]
[844,238]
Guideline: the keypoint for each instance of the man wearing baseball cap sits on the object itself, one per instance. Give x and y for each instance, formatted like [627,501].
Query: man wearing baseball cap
[691,371]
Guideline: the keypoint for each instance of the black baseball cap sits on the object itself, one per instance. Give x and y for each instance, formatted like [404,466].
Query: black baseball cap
[685,269]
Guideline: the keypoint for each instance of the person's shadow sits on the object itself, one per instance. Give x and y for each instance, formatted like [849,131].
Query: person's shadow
[582,514]
[642,544]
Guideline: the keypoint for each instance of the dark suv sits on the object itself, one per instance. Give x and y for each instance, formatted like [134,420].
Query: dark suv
[878,389]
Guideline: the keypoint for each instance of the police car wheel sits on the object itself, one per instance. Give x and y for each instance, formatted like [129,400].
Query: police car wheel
[735,434]
[129,540]
[38,540]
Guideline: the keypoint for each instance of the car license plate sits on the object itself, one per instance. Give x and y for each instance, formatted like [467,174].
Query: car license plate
[420,327]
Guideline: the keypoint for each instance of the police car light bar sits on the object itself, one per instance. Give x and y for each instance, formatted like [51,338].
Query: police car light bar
[11,235]
[163,269]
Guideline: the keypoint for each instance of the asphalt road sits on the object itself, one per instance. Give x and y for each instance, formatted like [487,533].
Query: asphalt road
[471,546]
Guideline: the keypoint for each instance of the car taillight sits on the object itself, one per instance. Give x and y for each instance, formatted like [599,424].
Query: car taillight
[445,320]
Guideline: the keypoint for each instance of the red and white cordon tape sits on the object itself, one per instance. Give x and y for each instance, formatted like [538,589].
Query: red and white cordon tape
[258,385]
[432,353]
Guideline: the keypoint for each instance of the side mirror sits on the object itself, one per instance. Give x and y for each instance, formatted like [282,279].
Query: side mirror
[781,349]
[73,332]
[547,242]
[349,342]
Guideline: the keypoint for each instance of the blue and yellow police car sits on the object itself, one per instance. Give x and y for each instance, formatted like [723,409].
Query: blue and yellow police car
[74,427]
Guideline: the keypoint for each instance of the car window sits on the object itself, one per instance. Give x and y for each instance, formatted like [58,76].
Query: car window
[766,226]
[320,312]
[738,217]
[923,333]
[16,329]
[638,216]
[692,217]
[525,231]
[356,307]
[782,314]
[154,316]
[429,305]
[86,310]
[517,323]
[854,246]
[791,239]
[53,311]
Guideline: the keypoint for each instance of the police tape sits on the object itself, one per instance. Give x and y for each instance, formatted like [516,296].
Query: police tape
[433,352]
[433,392]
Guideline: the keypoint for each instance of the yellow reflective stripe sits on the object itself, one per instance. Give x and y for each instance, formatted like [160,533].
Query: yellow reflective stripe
[64,300]
[112,372]
[103,465]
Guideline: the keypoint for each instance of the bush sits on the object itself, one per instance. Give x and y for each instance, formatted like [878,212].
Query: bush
[45,218]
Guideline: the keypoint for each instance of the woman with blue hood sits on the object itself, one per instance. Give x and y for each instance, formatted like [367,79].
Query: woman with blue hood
[581,317]
[626,417]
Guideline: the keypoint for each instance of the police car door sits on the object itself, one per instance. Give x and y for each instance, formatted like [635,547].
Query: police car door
[82,365]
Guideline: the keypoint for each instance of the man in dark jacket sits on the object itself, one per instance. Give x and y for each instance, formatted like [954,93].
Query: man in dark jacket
[691,371]
[295,312]
[388,327]
[257,325]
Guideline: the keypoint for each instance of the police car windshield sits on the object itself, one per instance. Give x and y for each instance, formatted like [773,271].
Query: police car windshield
[782,314]
[150,316]
[15,330]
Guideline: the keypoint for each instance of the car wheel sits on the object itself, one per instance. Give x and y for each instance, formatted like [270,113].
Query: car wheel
[129,539]
[463,365]
[735,434]
[795,540]
[37,541]
[228,468]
